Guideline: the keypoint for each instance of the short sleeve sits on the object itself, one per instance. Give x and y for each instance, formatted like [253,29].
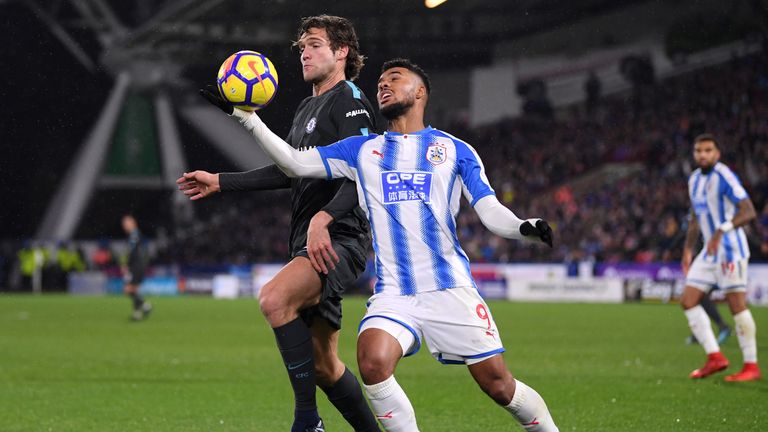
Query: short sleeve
[732,187]
[470,168]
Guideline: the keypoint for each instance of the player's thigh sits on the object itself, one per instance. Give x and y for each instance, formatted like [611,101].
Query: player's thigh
[296,286]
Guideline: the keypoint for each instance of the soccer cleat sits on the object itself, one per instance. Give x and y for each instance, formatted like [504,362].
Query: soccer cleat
[146,309]
[750,372]
[137,315]
[715,363]
[319,427]
[723,335]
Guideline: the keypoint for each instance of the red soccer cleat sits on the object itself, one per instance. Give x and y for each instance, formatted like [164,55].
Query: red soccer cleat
[750,372]
[715,363]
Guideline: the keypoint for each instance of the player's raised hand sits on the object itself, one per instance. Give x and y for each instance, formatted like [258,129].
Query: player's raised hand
[211,94]
[537,228]
[319,248]
[198,184]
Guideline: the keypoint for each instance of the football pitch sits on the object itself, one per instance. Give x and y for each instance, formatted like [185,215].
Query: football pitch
[198,364]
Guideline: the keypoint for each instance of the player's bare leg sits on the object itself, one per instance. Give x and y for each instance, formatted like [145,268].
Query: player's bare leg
[295,287]
[523,402]
[378,353]
[337,381]
[701,327]
[746,333]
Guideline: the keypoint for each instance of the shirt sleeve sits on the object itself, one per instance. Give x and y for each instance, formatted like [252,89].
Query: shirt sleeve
[351,114]
[340,158]
[732,187]
[475,183]
[344,201]
[267,178]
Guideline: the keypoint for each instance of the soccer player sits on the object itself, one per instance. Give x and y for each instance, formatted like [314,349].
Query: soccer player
[719,208]
[133,271]
[409,181]
[302,303]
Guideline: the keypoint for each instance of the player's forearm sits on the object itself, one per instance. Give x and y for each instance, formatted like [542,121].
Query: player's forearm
[292,162]
[745,213]
[266,178]
[344,201]
[691,235]
[498,219]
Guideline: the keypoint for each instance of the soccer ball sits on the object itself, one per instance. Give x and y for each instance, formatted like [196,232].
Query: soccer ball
[248,80]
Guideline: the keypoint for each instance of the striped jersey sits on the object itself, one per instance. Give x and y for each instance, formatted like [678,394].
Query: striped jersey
[409,186]
[714,197]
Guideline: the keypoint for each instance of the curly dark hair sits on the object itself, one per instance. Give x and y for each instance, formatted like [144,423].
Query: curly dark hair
[341,33]
[411,66]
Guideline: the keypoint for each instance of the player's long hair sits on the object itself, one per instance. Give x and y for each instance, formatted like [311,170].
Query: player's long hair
[341,32]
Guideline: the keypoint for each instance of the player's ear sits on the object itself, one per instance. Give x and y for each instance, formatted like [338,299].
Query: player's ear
[342,52]
[421,91]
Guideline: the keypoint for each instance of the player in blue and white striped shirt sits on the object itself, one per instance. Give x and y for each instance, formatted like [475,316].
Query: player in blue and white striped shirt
[719,208]
[408,182]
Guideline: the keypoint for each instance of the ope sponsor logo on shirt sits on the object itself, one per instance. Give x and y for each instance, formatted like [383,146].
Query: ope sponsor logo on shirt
[398,186]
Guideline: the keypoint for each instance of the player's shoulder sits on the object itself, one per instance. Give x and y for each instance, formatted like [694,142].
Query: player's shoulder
[724,170]
[694,175]
[461,146]
[360,140]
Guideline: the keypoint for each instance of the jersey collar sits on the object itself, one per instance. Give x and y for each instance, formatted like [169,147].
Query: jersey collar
[424,131]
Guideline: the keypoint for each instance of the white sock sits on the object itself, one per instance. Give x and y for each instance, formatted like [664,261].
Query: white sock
[391,406]
[701,327]
[746,331]
[528,408]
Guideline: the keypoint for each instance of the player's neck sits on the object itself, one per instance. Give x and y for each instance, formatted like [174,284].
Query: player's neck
[409,122]
[328,83]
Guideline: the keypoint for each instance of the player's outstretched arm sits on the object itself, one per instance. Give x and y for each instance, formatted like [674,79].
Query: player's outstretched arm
[292,162]
[503,222]
[198,184]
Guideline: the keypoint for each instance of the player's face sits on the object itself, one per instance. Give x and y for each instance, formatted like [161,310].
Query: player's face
[317,58]
[706,154]
[397,91]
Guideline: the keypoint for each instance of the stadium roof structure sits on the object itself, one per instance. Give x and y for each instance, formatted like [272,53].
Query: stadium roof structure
[148,47]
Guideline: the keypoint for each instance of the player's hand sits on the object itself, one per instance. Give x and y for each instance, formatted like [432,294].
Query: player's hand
[319,247]
[537,228]
[714,242]
[211,94]
[198,184]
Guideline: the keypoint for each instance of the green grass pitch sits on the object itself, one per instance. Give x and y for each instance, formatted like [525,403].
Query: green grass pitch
[198,364]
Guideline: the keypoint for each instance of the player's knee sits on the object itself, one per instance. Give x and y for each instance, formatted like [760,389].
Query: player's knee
[271,302]
[374,368]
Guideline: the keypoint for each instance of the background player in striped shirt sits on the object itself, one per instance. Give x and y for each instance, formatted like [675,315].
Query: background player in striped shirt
[719,208]
[409,182]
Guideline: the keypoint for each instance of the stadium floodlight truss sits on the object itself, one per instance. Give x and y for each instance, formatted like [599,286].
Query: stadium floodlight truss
[131,55]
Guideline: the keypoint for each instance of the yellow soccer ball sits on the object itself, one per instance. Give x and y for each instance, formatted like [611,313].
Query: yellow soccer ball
[248,80]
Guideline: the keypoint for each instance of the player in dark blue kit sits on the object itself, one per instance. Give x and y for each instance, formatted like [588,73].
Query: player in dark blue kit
[302,302]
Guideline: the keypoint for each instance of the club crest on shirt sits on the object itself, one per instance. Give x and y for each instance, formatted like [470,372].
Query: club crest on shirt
[311,124]
[436,154]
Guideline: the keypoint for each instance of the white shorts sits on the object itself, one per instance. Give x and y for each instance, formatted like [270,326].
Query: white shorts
[456,324]
[727,276]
